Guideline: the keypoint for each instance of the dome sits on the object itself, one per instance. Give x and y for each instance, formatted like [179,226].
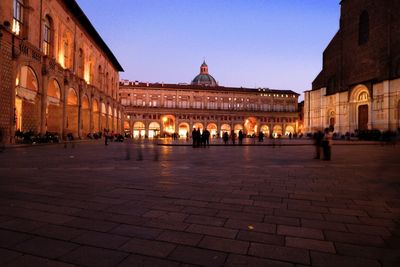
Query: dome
[204,78]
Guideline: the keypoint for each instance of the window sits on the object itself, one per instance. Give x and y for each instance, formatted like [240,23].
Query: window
[47,36]
[81,63]
[18,16]
[363,28]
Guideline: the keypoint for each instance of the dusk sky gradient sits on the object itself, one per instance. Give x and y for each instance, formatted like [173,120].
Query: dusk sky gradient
[251,43]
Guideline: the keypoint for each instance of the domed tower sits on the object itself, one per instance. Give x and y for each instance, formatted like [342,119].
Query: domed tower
[204,78]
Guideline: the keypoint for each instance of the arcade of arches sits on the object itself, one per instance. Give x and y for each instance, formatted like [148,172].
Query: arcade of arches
[58,108]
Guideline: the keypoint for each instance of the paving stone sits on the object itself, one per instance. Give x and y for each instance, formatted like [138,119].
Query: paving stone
[137,231]
[311,244]
[59,232]
[102,240]
[320,259]
[300,232]
[96,257]
[258,237]
[357,239]
[249,224]
[323,225]
[225,245]
[241,216]
[368,229]
[21,225]
[212,230]
[44,247]
[89,224]
[148,247]
[183,238]
[241,260]
[144,261]
[387,254]
[282,220]
[295,255]
[206,220]
[202,257]
[33,261]
[8,255]
[11,238]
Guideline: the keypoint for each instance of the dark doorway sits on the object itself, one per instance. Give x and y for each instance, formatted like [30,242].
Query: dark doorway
[363,117]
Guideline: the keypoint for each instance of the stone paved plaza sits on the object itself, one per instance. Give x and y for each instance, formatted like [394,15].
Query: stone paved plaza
[91,205]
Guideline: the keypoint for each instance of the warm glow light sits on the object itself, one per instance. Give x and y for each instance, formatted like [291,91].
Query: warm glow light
[16,27]
[17,81]
[165,119]
[61,58]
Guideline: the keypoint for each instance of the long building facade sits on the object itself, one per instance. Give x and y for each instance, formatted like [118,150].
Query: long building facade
[358,88]
[158,109]
[57,74]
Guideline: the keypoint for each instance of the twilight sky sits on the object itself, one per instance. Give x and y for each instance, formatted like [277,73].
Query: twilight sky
[250,43]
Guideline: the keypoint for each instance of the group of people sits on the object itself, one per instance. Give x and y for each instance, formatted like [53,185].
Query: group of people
[323,141]
[200,138]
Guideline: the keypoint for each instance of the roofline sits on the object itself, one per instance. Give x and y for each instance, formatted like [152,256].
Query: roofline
[83,20]
[203,87]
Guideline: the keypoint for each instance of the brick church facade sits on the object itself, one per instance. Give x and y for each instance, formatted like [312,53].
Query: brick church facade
[359,85]
[57,74]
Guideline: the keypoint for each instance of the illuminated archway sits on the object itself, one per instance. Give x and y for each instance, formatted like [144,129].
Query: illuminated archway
[96,116]
[251,126]
[110,118]
[139,129]
[184,129]
[213,129]
[168,124]
[265,130]
[225,128]
[103,117]
[198,125]
[54,110]
[26,108]
[289,129]
[72,112]
[85,115]
[154,129]
[127,127]
[277,131]
[237,128]
[360,107]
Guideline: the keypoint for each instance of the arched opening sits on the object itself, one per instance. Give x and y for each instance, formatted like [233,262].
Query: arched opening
[251,126]
[26,107]
[115,119]
[289,130]
[237,128]
[154,129]
[277,131]
[168,124]
[85,116]
[65,54]
[109,118]
[265,130]
[54,110]
[183,129]
[96,116]
[198,125]
[139,129]
[225,128]
[72,113]
[212,128]
[331,119]
[103,117]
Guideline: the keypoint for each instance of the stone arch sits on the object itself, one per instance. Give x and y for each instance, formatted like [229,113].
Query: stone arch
[139,129]
[103,116]
[213,129]
[237,128]
[265,130]
[168,124]
[27,109]
[154,129]
[109,117]
[277,131]
[85,115]
[250,125]
[184,129]
[198,125]
[54,109]
[72,112]
[360,101]
[96,116]
[225,128]
[289,130]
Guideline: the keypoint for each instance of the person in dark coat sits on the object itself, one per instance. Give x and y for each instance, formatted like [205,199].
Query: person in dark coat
[318,136]
[240,137]
[225,137]
[194,137]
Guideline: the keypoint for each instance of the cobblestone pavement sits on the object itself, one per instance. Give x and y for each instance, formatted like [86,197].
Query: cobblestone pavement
[93,205]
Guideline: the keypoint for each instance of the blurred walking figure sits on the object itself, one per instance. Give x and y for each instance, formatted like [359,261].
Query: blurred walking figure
[225,137]
[318,136]
[240,137]
[105,137]
[326,144]
[233,137]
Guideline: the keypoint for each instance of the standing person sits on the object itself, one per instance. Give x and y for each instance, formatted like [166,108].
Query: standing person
[240,137]
[198,137]
[105,137]
[194,139]
[326,144]
[233,137]
[206,134]
[225,137]
[290,135]
[318,136]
